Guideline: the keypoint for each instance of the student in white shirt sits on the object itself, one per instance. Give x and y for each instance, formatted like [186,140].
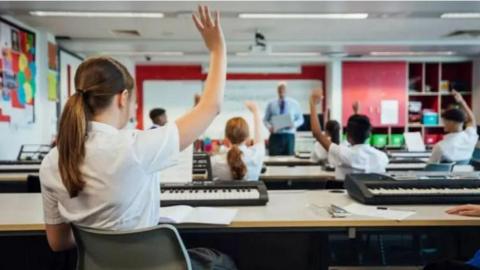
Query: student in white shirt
[358,158]
[458,144]
[239,161]
[158,117]
[103,176]
[332,131]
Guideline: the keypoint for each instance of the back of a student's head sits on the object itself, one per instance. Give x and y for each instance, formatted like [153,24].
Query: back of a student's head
[453,120]
[358,129]
[236,132]
[158,116]
[98,81]
[333,130]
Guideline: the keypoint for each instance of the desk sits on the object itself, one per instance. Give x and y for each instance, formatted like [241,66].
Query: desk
[288,161]
[418,166]
[15,177]
[23,212]
[287,219]
[305,173]
[33,168]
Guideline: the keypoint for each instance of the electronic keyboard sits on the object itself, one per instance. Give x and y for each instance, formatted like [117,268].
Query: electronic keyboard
[214,193]
[20,168]
[202,167]
[422,189]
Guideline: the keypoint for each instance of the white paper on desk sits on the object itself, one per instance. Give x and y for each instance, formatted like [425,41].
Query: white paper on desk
[414,142]
[181,169]
[389,112]
[204,215]
[281,121]
[373,211]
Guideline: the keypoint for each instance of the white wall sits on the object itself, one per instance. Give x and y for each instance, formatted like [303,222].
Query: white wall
[65,60]
[177,98]
[42,131]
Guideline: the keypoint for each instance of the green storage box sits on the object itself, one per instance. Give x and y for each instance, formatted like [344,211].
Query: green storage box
[379,140]
[396,140]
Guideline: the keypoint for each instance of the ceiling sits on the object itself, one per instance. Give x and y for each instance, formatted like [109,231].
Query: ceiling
[391,26]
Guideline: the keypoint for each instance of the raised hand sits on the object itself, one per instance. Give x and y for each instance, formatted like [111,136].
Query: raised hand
[470,210]
[356,107]
[316,96]
[210,30]
[458,97]
[251,106]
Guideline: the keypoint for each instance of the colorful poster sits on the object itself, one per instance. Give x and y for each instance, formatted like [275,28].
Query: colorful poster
[52,86]
[17,74]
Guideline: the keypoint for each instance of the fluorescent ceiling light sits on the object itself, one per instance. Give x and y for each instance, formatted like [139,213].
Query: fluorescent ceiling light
[466,15]
[433,53]
[152,53]
[303,15]
[97,14]
[298,54]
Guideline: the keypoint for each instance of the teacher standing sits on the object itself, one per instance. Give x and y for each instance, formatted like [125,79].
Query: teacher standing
[282,141]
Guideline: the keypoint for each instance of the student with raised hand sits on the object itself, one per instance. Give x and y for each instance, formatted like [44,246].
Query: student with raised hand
[240,161]
[357,158]
[332,131]
[103,176]
[468,210]
[458,144]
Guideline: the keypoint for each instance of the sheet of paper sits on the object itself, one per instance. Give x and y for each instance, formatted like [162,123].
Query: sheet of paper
[174,214]
[211,215]
[374,211]
[389,112]
[181,169]
[203,215]
[281,121]
[414,142]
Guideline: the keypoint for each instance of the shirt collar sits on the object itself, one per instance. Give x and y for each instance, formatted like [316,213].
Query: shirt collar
[101,127]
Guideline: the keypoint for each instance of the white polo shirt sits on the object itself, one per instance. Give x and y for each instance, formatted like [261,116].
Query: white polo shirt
[320,154]
[457,146]
[122,190]
[253,157]
[360,158]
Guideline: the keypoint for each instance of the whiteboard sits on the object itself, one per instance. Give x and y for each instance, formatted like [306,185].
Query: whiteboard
[174,96]
[177,98]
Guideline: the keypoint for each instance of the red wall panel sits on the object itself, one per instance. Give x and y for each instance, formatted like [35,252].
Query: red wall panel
[370,83]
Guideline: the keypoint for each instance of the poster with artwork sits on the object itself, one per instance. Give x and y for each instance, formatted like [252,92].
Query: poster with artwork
[17,74]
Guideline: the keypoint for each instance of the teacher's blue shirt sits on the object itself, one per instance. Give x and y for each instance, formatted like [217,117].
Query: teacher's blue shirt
[290,107]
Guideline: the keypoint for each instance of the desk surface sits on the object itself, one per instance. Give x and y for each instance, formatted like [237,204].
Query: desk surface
[17,177]
[287,160]
[286,209]
[282,173]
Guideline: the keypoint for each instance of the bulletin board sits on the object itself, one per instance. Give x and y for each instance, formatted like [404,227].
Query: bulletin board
[17,74]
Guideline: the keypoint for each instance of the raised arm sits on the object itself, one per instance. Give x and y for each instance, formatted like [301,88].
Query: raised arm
[470,122]
[257,121]
[195,122]
[315,99]
[356,107]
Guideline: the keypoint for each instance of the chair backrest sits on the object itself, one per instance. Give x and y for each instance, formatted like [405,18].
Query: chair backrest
[439,167]
[463,162]
[159,247]
[476,154]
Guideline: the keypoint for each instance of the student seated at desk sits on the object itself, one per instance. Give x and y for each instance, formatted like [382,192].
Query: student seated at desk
[103,176]
[468,210]
[358,158]
[457,144]
[239,161]
[332,131]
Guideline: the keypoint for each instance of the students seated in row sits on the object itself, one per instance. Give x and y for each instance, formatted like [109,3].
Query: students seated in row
[105,177]
[332,131]
[468,210]
[458,144]
[360,157]
[158,117]
[240,161]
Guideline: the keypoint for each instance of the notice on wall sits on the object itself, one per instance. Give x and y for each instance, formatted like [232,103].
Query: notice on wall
[389,112]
